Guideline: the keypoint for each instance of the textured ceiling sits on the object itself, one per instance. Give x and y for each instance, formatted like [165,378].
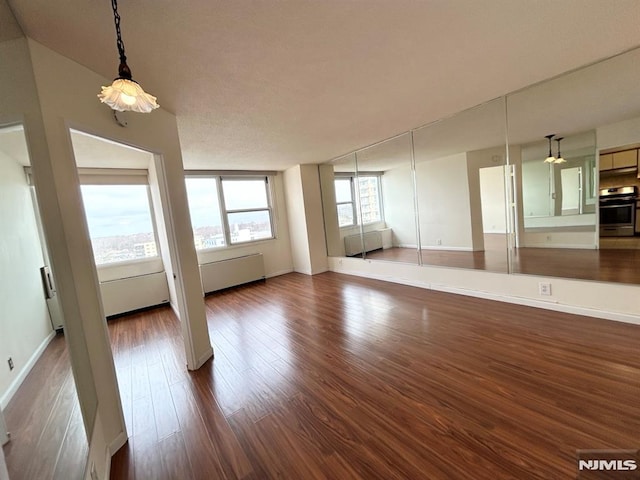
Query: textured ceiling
[269,84]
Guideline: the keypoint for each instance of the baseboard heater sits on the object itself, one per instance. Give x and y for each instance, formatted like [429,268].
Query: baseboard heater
[353,243]
[231,272]
[133,293]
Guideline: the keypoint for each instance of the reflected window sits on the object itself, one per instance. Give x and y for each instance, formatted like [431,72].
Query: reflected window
[120,222]
[370,208]
[229,210]
[369,189]
[345,202]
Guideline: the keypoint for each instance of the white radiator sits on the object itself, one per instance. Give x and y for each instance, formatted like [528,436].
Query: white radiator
[127,294]
[231,272]
[353,244]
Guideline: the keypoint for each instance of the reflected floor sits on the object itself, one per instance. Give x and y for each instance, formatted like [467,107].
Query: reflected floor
[47,433]
[613,263]
[492,259]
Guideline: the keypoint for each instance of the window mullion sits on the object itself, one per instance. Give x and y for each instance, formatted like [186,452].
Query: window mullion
[223,212]
[354,197]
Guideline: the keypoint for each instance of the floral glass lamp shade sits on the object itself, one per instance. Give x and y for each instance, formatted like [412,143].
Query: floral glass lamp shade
[125,94]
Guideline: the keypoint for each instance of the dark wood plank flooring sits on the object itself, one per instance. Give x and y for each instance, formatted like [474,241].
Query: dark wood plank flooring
[604,265]
[339,377]
[48,439]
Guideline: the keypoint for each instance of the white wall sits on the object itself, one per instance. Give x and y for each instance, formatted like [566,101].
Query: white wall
[443,203]
[4,474]
[304,211]
[67,94]
[297,219]
[536,189]
[493,200]
[335,242]
[24,318]
[618,134]
[276,252]
[398,203]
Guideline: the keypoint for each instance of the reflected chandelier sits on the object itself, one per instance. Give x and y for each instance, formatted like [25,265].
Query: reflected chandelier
[550,158]
[125,94]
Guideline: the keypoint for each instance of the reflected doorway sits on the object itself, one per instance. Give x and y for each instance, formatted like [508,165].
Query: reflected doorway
[571,182]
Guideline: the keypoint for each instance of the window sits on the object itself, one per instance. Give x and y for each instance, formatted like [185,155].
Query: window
[345,201]
[247,209]
[369,210]
[204,209]
[120,222]
[229,210]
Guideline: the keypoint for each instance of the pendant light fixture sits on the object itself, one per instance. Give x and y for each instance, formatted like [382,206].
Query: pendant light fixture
[550,158]
[125,94]
[559,159]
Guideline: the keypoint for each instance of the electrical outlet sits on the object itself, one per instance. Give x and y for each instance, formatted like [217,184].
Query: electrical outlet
[10,362]
[544,288]
[439,241]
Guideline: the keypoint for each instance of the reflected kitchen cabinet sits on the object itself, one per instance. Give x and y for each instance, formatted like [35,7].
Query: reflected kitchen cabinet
[617,160]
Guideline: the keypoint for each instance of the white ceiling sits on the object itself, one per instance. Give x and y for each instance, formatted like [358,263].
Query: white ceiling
[269,84]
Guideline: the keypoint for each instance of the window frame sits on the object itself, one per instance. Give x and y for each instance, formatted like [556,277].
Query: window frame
[354,209]
[219,177]
[114,178]
[226,211]
[378,177]
[224,224]
[355,196]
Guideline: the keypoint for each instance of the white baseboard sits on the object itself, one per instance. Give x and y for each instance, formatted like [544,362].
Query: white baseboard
[175,310]
[279,272]
[116,445]
[580,246]
[203,358]
[13,387]
[437,247]
[547,305]
[447,248]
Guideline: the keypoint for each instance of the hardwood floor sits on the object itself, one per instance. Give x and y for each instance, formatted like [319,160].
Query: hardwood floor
[48,439]
[340,377]
[604,265]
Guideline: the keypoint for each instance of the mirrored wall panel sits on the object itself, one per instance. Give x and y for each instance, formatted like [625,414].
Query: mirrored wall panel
[461,190]
[573,142]
[339,203]
[386,195]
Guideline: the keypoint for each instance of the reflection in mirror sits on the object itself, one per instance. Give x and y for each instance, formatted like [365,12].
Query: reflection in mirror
[460,177]
[386,195]
[565,228]
[339,206]
[43,413]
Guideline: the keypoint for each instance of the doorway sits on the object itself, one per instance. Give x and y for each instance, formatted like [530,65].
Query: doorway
[27,333]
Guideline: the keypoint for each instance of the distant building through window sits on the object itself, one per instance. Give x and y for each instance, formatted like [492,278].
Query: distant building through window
[229,210]
[120,222]
[369,209]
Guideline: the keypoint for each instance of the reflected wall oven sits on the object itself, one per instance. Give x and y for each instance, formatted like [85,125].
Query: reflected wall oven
[618,211]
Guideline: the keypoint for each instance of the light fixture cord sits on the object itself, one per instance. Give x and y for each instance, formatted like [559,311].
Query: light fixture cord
[119,42]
